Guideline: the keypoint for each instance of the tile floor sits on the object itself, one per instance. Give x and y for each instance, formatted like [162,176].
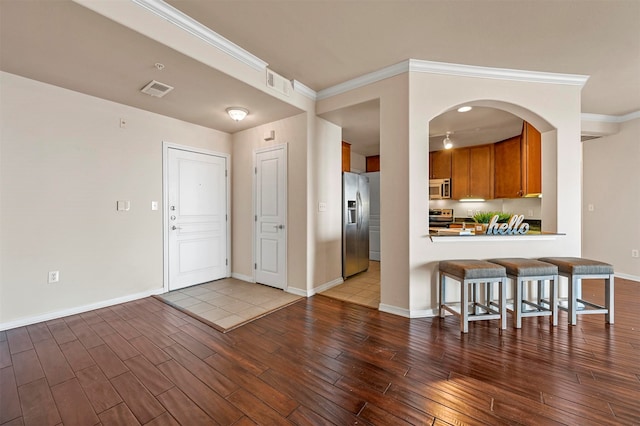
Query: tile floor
[362,288]
[228,303]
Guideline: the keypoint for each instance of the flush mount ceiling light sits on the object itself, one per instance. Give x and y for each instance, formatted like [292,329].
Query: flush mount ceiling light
[446,142]
[237,113]
[465,108]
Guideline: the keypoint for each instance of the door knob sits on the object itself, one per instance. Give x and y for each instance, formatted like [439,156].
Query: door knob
[278,226]
[175,227]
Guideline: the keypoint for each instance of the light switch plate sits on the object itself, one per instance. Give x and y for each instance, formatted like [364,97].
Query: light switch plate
[154,205]
[123,206]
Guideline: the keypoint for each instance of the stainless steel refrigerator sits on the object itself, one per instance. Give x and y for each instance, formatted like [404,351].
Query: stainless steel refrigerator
[355,223]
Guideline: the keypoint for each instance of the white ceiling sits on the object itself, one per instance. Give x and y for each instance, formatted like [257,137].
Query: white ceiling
[323,43]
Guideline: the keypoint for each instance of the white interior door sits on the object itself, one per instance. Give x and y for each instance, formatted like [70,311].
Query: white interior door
[197,218]
[271,216]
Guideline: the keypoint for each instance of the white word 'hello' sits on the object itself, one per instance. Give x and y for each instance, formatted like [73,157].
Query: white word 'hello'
[514,227]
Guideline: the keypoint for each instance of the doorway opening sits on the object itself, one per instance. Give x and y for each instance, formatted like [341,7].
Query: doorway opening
[360,125]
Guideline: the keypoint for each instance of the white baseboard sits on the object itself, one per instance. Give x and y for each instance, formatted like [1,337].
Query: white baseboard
[327,286]
[242,277]
[627,276]
[316,290]
[78,309]
[394,310]
[298,292]
[422,313]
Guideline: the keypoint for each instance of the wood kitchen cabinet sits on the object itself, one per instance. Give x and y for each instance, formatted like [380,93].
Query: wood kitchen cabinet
[472,172]
[346,156]
[373,163]
[518,164]
[440,164]
[531,160]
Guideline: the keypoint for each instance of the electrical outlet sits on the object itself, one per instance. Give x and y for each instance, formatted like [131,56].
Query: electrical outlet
[123,123]
[590,207]
[54,276]
[634,253]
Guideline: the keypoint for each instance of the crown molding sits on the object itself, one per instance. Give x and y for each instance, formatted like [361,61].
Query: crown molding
[601,118]
[416,65]
[185,22]
[364,80]
[304,90]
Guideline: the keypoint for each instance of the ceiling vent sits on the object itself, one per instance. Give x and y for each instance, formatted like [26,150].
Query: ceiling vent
[157,89]
[278,83]
[585,138]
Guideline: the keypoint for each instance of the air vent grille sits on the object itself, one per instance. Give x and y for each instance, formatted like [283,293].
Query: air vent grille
[157,89]
[585,138]
[278,83]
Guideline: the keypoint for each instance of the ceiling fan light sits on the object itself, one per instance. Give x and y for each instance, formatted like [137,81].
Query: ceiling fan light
[465,108]
[237,113]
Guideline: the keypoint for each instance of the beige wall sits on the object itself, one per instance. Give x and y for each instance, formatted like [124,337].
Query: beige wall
[65,162]
[431,95]
[612,186]
[293,132]
[394,182]
[408,102]
[325,248]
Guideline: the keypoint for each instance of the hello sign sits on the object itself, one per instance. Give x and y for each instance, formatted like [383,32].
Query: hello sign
[514,227]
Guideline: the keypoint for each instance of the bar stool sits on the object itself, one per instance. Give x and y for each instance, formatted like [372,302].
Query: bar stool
[576,269]
[473,273]
[522,270]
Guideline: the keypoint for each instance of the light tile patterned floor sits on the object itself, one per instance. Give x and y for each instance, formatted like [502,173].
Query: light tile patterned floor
[228,303]
[362,288]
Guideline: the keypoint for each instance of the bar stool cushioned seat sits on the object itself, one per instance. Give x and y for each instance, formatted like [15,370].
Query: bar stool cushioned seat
[472,272]
[522,270]
[576,269]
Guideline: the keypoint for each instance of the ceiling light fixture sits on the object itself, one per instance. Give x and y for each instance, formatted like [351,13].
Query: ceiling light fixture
[237,113]
[465,108]
[447,142]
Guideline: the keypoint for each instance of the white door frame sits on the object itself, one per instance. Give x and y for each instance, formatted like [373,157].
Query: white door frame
[286,209]
[165,196]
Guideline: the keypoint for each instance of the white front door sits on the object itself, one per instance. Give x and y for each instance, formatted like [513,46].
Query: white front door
[271,216]
[197,218]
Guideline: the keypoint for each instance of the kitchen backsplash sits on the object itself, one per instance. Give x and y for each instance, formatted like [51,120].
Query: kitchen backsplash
[531,208]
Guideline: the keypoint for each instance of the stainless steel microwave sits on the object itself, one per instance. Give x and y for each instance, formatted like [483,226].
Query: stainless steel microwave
[439,189]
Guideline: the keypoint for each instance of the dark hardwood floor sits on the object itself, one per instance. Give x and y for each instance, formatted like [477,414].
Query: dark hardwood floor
[321,361]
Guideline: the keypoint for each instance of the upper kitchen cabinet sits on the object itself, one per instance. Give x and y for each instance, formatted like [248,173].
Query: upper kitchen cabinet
[346,156]
[531,160]
[440,164]
[373,163]
[518,165]
[472,173]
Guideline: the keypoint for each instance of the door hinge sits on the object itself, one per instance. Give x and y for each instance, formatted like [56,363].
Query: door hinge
[255,266]
[226,262]
[226,217]
[255,170]
[255,218]
[226,173]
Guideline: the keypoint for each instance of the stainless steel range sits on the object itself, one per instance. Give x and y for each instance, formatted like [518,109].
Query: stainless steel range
[440,218]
